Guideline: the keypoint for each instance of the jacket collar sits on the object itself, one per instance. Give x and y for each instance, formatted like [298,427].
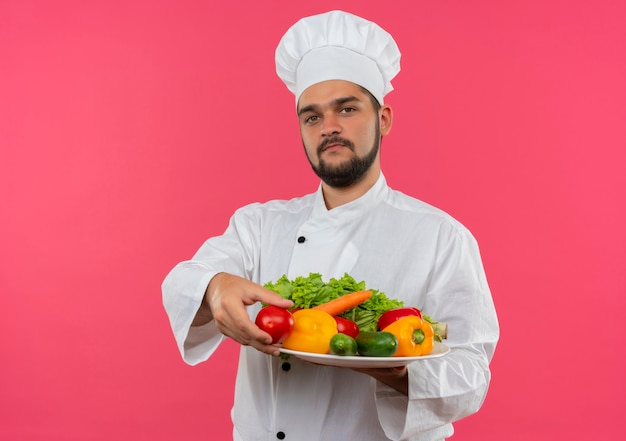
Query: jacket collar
[354,208]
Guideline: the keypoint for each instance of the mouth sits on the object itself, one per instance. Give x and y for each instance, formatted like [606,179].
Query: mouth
[333,145]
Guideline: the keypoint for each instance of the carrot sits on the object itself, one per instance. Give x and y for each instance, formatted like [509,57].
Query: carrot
[345,302]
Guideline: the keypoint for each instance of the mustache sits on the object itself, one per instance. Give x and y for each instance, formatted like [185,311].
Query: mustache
[334,140]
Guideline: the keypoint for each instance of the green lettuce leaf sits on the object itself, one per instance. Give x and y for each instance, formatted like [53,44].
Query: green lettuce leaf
[308,292]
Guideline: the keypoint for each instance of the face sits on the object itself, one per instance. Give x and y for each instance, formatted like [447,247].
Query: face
[341,131]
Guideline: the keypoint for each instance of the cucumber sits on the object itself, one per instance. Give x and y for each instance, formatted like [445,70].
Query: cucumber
[342,344]
[377,344]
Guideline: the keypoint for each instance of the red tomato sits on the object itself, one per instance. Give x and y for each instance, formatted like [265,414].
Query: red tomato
[348,327]
[392,315]
[277,322]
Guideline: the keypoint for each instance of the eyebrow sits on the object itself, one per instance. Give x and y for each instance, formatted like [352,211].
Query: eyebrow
[335,103]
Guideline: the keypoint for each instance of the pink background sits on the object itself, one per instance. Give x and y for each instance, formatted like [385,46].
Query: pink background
[131,129]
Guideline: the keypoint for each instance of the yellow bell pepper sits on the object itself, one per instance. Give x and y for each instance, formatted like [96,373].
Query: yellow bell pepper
[415,336]
[312,331]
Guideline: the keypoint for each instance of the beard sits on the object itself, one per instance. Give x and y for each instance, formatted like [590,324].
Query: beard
[348,172]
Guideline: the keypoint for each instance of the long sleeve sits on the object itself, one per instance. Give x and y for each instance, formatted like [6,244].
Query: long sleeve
[446,389]
[185,286]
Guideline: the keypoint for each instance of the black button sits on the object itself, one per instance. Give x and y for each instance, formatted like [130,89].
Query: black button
[301,239]
[285,366]
[280,435]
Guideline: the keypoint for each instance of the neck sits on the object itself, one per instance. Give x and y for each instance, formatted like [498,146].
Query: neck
[335,197]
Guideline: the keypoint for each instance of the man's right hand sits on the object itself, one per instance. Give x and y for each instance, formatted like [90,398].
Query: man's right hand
[225,301]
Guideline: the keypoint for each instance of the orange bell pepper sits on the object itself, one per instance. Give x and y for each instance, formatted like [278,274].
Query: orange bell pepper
[415,336]
[312,331]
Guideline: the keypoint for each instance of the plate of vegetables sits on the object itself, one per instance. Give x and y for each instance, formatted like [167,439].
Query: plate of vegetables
[341,323]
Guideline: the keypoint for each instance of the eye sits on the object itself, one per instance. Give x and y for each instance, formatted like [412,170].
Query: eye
[348,110]
[311,119]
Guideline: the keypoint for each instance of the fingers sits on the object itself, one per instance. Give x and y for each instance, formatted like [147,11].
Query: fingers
[392,372]
[261,294]
[246,291]
[250,335]
[395,377]
[228,297]
[271,298]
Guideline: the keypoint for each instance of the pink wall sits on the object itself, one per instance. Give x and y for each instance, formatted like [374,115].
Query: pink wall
[130,130]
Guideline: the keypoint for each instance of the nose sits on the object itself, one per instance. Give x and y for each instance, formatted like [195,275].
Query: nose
[330,125]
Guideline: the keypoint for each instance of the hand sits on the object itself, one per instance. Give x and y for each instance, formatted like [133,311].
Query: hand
[396,377]
[227,297]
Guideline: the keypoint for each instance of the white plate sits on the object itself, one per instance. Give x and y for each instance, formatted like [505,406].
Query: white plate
[358,361]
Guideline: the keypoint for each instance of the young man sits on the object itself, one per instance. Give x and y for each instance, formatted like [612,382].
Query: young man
[339,67]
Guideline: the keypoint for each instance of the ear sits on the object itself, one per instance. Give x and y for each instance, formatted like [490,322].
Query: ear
[386,119]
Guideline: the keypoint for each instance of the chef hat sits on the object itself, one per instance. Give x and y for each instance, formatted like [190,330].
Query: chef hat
[337,46]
